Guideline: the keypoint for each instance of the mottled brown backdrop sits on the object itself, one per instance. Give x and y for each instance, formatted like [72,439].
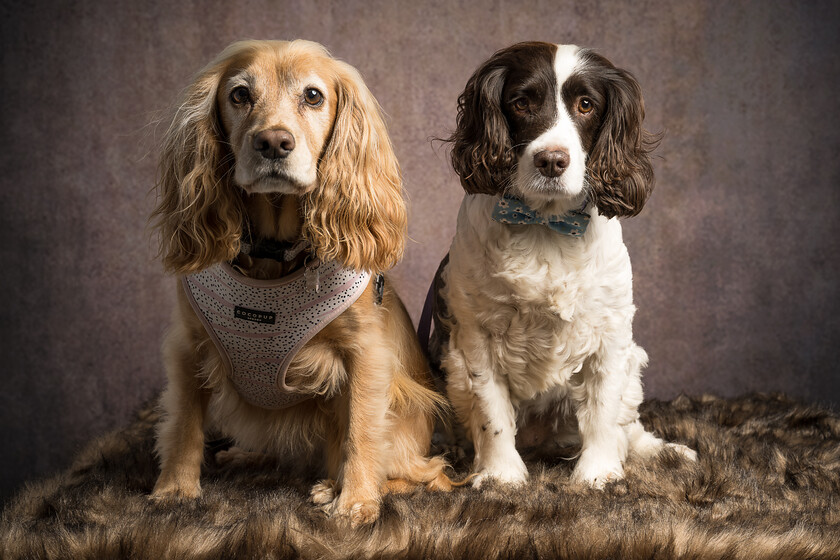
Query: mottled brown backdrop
[735,256]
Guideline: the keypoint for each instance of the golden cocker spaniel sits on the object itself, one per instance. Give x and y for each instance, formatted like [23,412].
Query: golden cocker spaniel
[277,173]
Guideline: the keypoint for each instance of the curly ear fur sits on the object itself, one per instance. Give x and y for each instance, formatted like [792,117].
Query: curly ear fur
[199,214]
[482,154]
[619,171]
[357,215]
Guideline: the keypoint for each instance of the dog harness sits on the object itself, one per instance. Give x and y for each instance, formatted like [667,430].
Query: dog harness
[259,326]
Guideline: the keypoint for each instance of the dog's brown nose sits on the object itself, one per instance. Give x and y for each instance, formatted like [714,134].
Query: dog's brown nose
[552,162]
[274,143]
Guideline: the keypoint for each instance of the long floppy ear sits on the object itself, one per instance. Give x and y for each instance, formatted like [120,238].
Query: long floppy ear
[619,169]
[482,154]
[357,214]
[199,214]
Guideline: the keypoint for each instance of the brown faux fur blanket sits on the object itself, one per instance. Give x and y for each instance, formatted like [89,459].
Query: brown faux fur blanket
[767,485]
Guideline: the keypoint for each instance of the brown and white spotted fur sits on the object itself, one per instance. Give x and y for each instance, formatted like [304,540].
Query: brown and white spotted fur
[531,323]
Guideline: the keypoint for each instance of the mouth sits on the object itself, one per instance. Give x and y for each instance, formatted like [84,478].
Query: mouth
[271,179]
[538,185]
[275,175]
[274,183]
[555,194]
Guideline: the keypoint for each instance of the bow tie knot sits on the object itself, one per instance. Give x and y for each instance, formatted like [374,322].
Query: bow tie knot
[510,210]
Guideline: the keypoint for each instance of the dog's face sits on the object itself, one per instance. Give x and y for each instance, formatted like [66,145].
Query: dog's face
[554,125]
[277,109]
[280,117]
[552,128]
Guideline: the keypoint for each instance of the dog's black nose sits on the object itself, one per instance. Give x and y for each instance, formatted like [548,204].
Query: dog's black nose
[274,143]
[551,163]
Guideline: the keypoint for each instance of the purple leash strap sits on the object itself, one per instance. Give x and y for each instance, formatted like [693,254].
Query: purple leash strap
[424,328]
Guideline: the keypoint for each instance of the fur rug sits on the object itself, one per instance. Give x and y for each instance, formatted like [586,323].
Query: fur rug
[767,485]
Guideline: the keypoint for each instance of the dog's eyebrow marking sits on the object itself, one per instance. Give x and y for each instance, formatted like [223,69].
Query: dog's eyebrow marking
[241,78]
[315,80]
[299,84]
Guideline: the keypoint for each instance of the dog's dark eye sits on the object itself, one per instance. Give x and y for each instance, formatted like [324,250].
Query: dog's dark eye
[313,97]
[585,105]
[520,105]
[240,95]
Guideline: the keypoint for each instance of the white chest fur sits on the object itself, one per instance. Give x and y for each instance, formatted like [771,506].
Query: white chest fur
[539,302]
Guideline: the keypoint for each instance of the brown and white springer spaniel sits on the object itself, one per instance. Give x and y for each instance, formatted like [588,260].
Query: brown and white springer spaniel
[534,301]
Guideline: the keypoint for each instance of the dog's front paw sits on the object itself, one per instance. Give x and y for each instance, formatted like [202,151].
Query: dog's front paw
[358,511]
[323,494]
[513,472]
[597,473]
[326,494]
[363,513]
[169,488]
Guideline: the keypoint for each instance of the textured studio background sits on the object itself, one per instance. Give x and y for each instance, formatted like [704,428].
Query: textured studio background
[735,257]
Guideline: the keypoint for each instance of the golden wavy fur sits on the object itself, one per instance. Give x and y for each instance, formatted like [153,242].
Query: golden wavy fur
[281,141]
[346,218]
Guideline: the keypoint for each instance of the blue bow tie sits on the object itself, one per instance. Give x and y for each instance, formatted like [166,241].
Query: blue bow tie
[513,211]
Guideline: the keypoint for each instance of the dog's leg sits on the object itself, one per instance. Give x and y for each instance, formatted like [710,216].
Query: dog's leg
[482,400]
[598,398]
[325,491]
[180,435]
[365,448]
[643,444]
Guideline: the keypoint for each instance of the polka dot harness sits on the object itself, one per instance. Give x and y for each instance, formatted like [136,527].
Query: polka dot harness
[259,326]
